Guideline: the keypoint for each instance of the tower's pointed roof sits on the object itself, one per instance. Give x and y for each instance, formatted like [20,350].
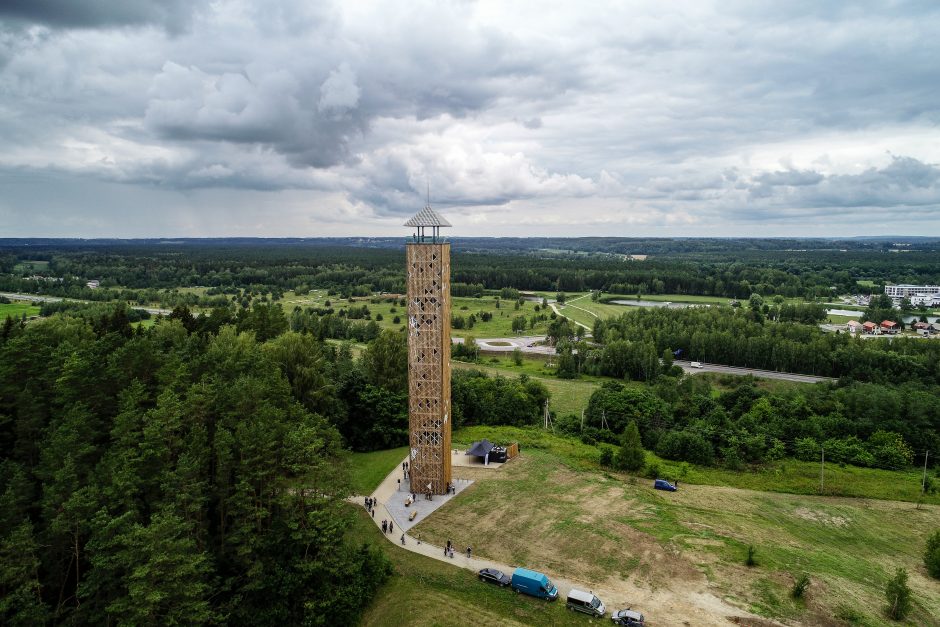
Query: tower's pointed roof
[427,217]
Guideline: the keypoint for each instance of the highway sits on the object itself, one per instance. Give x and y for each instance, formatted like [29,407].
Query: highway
[764,374]
[533,345]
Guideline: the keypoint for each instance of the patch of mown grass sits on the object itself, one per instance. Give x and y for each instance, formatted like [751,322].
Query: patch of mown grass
[500,325]
[367,470]
[17,308]
[424,592]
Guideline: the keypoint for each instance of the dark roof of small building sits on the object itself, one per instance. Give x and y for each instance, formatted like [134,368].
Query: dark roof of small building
[427,217]
[481,448]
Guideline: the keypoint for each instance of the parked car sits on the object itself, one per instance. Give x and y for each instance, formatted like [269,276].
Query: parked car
[533,583]
[627,618]
[696,364]
[585,602]
[491,575]
[662,484]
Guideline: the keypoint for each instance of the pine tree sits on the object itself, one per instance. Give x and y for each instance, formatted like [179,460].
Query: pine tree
[899,595]
[631,455]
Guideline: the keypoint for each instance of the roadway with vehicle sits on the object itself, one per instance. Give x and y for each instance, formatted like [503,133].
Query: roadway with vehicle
[536,345]
[764,374]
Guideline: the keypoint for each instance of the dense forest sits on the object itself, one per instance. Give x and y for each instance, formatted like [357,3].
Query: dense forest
[236,271]
[863,424]
[193,471]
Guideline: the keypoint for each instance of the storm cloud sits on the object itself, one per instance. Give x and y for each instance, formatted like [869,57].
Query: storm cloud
[299,118]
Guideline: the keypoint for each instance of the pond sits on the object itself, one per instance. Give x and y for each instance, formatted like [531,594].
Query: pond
[650,303]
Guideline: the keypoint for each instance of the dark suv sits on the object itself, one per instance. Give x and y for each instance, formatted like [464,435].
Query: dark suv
[491,575]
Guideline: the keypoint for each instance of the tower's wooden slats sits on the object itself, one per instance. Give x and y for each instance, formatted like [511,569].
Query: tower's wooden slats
[429,420]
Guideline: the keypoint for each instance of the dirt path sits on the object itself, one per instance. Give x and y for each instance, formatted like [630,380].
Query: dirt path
[694,604]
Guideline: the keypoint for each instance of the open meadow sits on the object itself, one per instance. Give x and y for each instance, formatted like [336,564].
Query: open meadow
[554,510]
[17,308]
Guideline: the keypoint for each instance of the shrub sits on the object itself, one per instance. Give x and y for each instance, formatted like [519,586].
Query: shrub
[932,555]
[751,559]
[899,595]
[685,446]
[890,450]
[806,449]
[800,584]
[396,320]
[652,470]
[379,318]
[607,457]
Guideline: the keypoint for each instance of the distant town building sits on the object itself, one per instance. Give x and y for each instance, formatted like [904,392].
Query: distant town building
[928,295]
[94,284]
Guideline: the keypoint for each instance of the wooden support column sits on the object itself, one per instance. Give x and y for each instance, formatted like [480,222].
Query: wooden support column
[429,418]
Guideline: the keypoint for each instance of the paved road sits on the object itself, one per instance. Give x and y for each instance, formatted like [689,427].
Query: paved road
[764,374]
[532,345]
[527,344]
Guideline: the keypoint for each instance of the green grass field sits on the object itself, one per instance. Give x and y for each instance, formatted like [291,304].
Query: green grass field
[573,519]
[31,266]
[17,308]
[367,470]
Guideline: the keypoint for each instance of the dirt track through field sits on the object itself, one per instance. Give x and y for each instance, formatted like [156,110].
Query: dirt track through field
[681,595]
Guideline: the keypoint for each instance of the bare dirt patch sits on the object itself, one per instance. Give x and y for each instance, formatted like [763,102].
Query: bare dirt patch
[821,517]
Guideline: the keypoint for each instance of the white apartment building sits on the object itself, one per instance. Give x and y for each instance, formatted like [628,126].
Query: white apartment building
[918,294]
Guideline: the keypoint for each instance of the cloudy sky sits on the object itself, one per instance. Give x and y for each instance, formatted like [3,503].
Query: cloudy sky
[145,118]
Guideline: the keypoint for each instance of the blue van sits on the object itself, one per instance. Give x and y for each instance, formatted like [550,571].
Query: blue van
[533,583]
[662,484]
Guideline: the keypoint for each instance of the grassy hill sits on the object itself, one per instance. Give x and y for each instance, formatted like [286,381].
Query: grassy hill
[555,509]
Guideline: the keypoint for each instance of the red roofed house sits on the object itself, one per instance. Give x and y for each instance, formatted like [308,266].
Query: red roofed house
[888,326]
[869,327]
[854,326]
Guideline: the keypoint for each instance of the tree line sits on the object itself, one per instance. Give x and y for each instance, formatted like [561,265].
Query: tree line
[863,424]
[737,337]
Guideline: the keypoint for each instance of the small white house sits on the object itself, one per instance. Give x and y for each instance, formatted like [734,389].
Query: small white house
[94,284]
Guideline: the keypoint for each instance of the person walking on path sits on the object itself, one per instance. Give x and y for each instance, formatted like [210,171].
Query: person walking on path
[384,526]
[373,513]
[468,552]
[391,527]
[403,539]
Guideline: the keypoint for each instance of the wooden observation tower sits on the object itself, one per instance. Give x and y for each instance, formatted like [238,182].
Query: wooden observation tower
[428,265]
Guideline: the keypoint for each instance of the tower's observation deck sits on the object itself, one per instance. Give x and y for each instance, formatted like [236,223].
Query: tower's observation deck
[428,266]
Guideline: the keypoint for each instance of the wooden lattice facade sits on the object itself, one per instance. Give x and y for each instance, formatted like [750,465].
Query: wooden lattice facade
[429,422]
